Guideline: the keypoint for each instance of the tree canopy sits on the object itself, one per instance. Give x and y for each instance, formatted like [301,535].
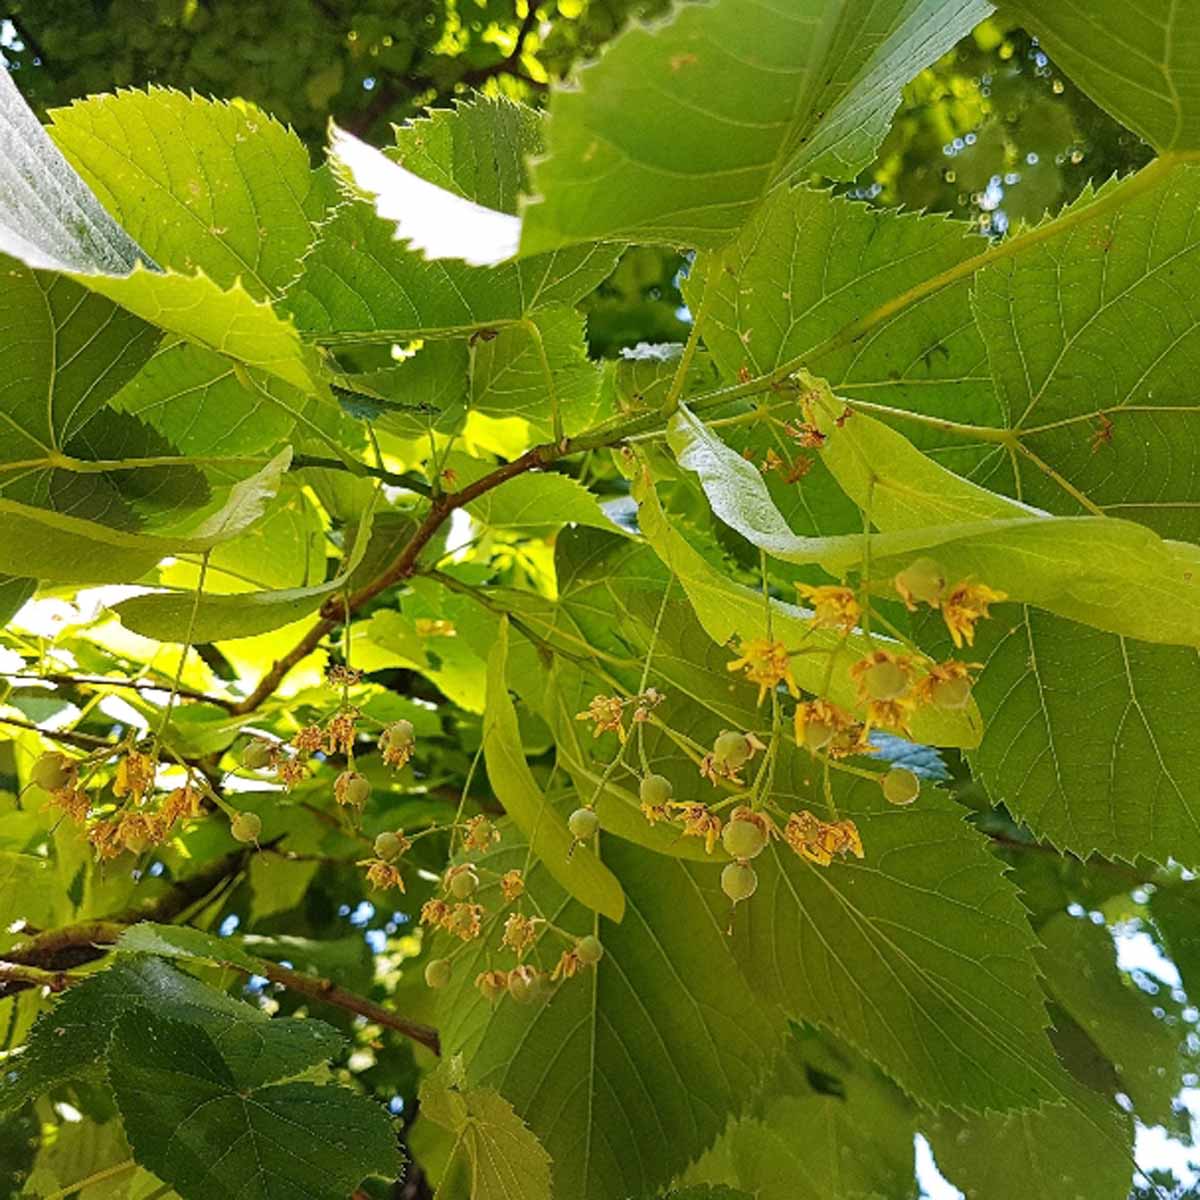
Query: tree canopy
[600,600]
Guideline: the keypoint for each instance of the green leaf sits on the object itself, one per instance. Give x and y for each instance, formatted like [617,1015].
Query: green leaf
[1079,963]
[14,591]
[684,126]
[227,320]
[839,1156]
[79,1150]
[617,803]
[1113,266]
[56,546]
[194,398]
[201,184]
[1088,738]
[827,1126]
[575,867]
[426,390]
[492,1147]
[158,490]
[777,294]
[65,353]
[1151,87]
[632,1067]
[919,956]
[536,503]
[1083,1147]
[197,1118]
[168,616]
[360,284]
[79,239]
[69,1041]
[48,216]
[534,367]
[704,1191]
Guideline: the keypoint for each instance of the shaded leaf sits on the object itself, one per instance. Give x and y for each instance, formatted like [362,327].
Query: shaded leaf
[920,956]
[1083,1148]
[1079,962]
[212,617]
[359,284]
[72,1039]
[197,1119]
[56,546]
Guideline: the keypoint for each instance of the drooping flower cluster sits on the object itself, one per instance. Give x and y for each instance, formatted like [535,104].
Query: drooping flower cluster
[607,713]
[766,664]
[132,817]
[819,841]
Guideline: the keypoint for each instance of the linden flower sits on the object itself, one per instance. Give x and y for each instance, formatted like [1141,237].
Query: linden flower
[479,833]
[948,684]
[818,723]
[512,885]
[818,841]
[340,676]
[464,921]
[966,604]
[135,774]
[434,912]
[183,804]
[833,607]
[767,664]
[382,875]
[771,462]
[520,932]
[339,733]
[72,801]
[308,739]
[654,812]
[137,831]
[698,821]
[731,751]
[882,675]
[607,713]
[888,714]
[645,702]
[807,435]
[493,984]
[291,771]
[105,840]
[567,967]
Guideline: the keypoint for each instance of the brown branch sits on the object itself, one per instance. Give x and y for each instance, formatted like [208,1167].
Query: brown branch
[337,609]
[81,741]
[56,981]
[42,960]
[86,941]
[140,685]
[331,993]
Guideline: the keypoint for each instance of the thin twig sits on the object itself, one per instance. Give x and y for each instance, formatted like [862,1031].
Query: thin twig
[140,685]
[56,981]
